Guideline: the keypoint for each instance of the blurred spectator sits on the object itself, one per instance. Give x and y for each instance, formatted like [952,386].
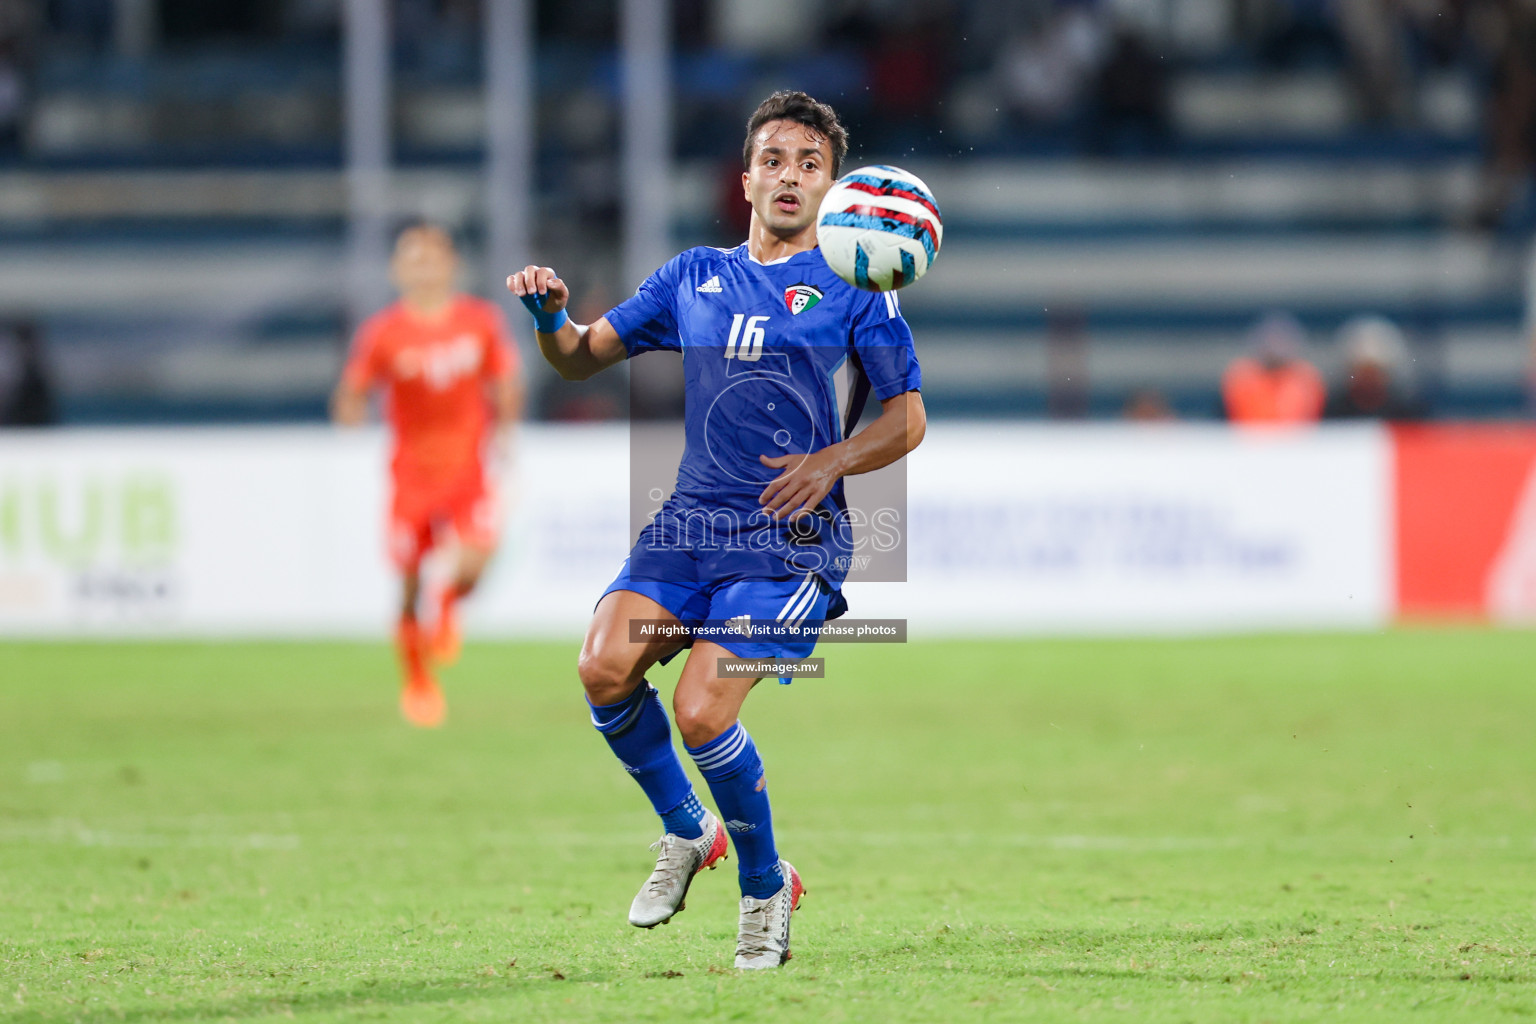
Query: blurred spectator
[1148,405]
[1375,38]
[904,58]
[1511,109]
[190,21]
[1131,96]
[734,213]
[1275,384]
[318,20]
[1046,72]
[437,38]
[586,129]
[1300,32]
[26,391]
[907,69]
[85,23]
[1377,383]
[12,100]
[1066,360]
[16,29]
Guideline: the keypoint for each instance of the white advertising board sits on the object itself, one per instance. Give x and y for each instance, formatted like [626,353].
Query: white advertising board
[1120,528]
[279,532]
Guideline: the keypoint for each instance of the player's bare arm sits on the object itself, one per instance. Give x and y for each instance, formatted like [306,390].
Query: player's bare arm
[576,351]
[349,405]
[807,479]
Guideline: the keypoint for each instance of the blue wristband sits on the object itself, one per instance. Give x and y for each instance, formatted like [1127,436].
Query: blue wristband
[544,323]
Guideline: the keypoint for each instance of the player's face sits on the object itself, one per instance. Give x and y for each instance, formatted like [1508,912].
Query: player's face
[424,261]
[791,171]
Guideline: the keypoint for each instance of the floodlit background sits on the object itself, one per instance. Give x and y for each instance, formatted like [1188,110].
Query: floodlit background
[1156,210]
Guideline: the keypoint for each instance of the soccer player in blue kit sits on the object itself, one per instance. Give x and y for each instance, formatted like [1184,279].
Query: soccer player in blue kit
[779,355]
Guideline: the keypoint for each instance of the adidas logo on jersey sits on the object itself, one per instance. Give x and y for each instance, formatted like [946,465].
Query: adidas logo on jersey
[740,624]
[712,286]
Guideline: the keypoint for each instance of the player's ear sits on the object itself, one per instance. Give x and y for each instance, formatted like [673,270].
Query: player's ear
[746,185]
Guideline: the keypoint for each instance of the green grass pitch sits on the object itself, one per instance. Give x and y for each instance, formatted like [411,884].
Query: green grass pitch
[1289,828]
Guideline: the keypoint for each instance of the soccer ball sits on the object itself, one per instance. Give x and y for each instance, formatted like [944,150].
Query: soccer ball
[879,228]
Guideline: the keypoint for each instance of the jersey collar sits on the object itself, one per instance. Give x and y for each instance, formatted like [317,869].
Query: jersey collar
[746,251]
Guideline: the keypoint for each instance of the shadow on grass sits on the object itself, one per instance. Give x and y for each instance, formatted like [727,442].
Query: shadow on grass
[378,998]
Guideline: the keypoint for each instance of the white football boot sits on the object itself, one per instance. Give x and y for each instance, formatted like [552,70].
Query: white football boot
[763,937]
[680,859]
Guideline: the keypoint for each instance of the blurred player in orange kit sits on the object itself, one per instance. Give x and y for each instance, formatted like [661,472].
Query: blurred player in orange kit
[451,377]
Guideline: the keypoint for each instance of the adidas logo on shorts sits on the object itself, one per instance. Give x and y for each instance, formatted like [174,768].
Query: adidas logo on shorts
[711,286]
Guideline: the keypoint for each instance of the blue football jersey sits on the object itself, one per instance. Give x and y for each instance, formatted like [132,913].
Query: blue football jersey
[778,359]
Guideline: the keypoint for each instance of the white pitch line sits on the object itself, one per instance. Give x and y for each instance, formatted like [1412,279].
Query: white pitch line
[78,834]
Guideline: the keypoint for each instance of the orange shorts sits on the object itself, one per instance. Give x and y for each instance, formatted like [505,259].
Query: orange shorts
[416,513]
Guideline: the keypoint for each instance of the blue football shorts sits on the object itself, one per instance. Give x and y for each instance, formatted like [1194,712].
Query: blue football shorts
[749,618]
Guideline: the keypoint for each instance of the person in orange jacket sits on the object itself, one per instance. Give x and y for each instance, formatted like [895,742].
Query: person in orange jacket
[1274,385]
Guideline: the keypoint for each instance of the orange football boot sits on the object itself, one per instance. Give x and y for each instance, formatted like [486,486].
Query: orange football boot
[422,703]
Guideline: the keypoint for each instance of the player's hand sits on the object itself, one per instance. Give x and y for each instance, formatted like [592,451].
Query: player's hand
[806,480]
[541,286]
[349,406]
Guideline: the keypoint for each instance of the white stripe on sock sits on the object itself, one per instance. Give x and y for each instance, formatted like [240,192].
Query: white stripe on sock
[723,753]
[622,723]
[723,756]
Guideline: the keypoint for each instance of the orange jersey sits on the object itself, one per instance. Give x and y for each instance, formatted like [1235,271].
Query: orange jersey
[436,374]
[1293,393]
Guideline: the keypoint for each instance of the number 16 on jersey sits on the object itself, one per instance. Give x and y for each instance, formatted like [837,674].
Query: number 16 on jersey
[751,349]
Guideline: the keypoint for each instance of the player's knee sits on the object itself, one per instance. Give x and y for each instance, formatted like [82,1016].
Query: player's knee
[698,721]
[606,679]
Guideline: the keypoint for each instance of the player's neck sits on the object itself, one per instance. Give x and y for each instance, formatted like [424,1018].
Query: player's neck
[427,305]
[765,246]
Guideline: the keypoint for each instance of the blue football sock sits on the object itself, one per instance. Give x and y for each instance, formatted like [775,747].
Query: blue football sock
[729,763]
[686,819]
[639,733]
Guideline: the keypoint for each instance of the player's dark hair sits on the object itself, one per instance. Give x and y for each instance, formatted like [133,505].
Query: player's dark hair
[407,225]
[792,105]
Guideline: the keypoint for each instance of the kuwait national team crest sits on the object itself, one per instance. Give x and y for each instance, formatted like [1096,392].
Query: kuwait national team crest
[801,297]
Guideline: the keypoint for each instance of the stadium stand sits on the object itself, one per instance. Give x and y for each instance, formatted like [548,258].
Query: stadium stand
[1126,189]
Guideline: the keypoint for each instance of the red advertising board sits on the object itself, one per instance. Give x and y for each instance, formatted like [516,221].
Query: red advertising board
[1466,521]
